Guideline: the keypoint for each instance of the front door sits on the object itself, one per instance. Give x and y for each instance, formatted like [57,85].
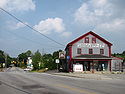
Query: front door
[86,66]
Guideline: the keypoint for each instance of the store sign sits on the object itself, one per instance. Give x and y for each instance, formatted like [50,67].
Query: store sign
[62,55]
[77,67]
[90,45]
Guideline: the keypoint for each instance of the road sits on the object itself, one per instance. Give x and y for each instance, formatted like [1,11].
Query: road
[15,81]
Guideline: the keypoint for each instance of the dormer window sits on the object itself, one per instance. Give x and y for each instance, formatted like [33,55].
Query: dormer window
[93,39]
[86,39]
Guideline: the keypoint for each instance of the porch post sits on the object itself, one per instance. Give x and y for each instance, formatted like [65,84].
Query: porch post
[70,60]
[92,67]
[110,65]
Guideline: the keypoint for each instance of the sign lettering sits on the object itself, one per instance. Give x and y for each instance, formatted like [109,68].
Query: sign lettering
[90,45]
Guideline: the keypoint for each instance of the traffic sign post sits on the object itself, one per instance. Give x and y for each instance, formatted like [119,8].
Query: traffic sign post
[39,65]
[57,61]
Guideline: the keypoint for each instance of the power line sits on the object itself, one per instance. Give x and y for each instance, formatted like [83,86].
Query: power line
[31,40]
[30,26]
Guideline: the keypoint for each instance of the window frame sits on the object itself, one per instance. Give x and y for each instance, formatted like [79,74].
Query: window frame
[91,50]
[101,51]
[86,39]
[79,50]
[93,39]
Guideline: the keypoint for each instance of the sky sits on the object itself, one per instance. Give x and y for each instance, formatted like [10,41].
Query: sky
[61,20]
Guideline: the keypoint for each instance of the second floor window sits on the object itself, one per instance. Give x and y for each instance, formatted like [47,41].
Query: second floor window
[93,40]
[90,51]
[79,50]
[101,51]
[86,39]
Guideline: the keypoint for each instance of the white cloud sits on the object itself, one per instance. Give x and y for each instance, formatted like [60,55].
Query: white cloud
[13,26]
[20,25]
[3,3]
[66,34]
[52,25]
[117,25]
[17,5]
[92,12]
[99,3]
[101,13]
[49,25]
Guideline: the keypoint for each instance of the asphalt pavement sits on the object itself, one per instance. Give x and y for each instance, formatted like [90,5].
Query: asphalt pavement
[16,81]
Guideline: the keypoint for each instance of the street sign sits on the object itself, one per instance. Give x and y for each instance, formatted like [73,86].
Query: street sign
[57,60]
[62,55]
[39,64]
[68,57]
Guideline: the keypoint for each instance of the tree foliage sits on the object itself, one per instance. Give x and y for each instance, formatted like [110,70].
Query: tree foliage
[49,61]
[39,61]
[22,58]
[36,58]
[4,58]
[45,61]
[120,55]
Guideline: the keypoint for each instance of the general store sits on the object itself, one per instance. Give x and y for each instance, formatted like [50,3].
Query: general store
[89,52]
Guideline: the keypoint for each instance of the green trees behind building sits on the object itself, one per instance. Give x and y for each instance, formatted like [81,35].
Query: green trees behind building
[44,61]
[39,61]
[120,55]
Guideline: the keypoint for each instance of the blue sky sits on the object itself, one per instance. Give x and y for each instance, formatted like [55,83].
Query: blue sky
[61,20]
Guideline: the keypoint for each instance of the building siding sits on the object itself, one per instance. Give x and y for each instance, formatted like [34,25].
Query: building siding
[85,50]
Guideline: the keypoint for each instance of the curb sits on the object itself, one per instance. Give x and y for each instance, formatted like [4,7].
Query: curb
[85,77]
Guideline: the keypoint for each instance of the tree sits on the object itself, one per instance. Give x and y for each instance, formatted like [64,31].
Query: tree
[37,59]
[123,53]
[2,58]
[56,54]
[28,53]
[120,55]
[9,59]
[23,58]
[48,61]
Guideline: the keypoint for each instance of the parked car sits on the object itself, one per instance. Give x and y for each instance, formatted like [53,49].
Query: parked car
[27,69]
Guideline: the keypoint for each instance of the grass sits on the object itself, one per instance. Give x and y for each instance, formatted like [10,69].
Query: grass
[40,71]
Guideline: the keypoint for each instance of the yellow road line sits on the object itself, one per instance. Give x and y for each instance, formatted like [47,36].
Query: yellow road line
[75,89]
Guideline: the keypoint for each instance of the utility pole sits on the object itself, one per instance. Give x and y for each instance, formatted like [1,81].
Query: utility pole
[43,51]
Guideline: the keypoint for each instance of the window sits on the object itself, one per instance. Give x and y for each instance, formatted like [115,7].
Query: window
[78,50]
[86,39]
[90,51]
[93,40]
[101,51]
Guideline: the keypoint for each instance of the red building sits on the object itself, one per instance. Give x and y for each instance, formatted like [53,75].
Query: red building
[90,51]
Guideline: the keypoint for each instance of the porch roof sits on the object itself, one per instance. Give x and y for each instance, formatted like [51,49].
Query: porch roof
[92,57]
